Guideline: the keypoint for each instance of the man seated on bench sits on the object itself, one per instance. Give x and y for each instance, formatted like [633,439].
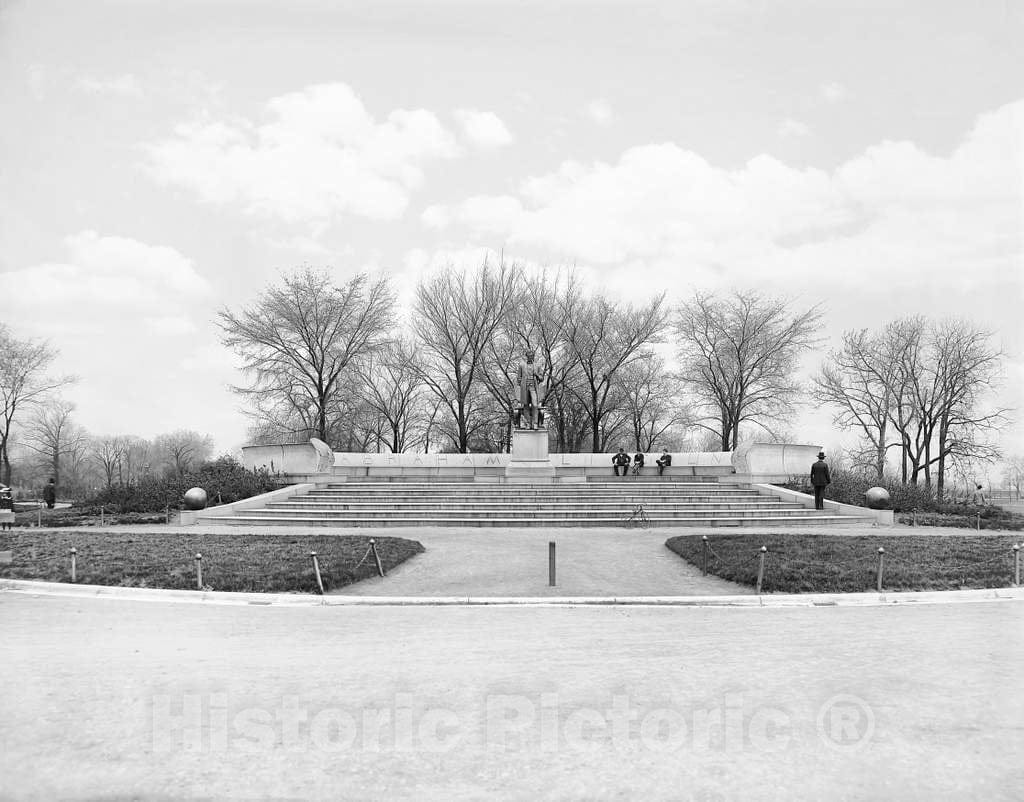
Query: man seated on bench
[620,461]
[663,462]
[638,463]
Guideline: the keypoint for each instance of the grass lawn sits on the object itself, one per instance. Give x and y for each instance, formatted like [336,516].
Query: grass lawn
[837,563]
[991,518]
[86,515]
[261,563]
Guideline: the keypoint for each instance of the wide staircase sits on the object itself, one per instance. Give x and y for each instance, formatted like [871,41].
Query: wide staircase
[627,501]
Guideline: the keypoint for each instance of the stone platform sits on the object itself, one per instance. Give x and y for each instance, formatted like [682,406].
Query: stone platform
[530,488]
[623,502]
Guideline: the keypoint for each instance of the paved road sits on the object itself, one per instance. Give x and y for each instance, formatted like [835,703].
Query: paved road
[125,699]
[589,562]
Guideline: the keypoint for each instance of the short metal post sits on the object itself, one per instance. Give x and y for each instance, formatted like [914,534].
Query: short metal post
[704,564]
[199,571]
[39,515]
[316,569]
[74,568]
[881,563]
[1016,565]
[101,515]
[760,568]
[915,519]
[979,521]
[376,556]
[167,513]
[551,563]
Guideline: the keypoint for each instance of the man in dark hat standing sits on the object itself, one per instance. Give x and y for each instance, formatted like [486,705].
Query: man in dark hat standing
[50,493]
[820,479]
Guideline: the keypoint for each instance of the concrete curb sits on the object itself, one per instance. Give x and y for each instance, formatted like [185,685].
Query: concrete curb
[34,588]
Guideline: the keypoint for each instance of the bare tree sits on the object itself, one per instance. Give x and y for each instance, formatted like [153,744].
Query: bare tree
[739,358]
[652,403]
[394,392]
[75,462]
[107,453]
[861,381]
[53,434]
[553,300]
[606,337]
[498,369]
[299,339]
[180,450]
[456,313]
[23,384]
[946,369]
[1013,475]
[135,455]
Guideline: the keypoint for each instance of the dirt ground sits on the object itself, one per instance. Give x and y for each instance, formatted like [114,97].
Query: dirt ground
[117,699]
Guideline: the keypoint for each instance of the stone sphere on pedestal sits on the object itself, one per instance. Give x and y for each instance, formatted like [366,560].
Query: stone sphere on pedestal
[877,498]
[195,499]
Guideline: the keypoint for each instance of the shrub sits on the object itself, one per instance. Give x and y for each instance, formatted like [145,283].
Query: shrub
[224,480]
[848,487]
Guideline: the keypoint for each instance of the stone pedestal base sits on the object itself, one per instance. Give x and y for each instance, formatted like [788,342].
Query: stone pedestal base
[529,458]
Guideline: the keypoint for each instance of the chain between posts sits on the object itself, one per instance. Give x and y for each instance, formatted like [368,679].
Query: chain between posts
[376,556]
[708,551]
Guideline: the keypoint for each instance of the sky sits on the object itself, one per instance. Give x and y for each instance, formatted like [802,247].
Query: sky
[160,161]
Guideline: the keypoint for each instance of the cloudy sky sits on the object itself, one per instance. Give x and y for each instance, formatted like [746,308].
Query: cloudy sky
[159,160]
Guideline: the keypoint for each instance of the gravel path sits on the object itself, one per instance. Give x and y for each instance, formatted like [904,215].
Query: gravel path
[514,562]
[120,699]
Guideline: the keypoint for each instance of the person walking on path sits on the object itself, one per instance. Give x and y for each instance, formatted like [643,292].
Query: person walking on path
[50,494]
[820,479]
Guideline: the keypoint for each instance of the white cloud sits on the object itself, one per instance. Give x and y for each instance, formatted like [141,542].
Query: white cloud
[126,317]
[123,85]
[107,284]
[790,128]
[316,154]
[211,357]
[600,111]
[483,129]
[833,92]
[889,215]
[170,325]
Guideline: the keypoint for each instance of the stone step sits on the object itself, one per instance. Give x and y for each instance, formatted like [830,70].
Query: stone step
[511,490]
[568,486]
[383,498]
[442,512]
[496,476]
[807,520]
[565,504]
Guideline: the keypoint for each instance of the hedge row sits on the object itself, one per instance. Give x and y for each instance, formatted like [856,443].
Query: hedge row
[223,479]
[848,488]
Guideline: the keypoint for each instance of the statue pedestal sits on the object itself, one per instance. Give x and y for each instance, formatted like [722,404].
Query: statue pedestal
[529,459]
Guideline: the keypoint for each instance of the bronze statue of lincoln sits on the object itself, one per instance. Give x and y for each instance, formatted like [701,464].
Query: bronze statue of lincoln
[532,389]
